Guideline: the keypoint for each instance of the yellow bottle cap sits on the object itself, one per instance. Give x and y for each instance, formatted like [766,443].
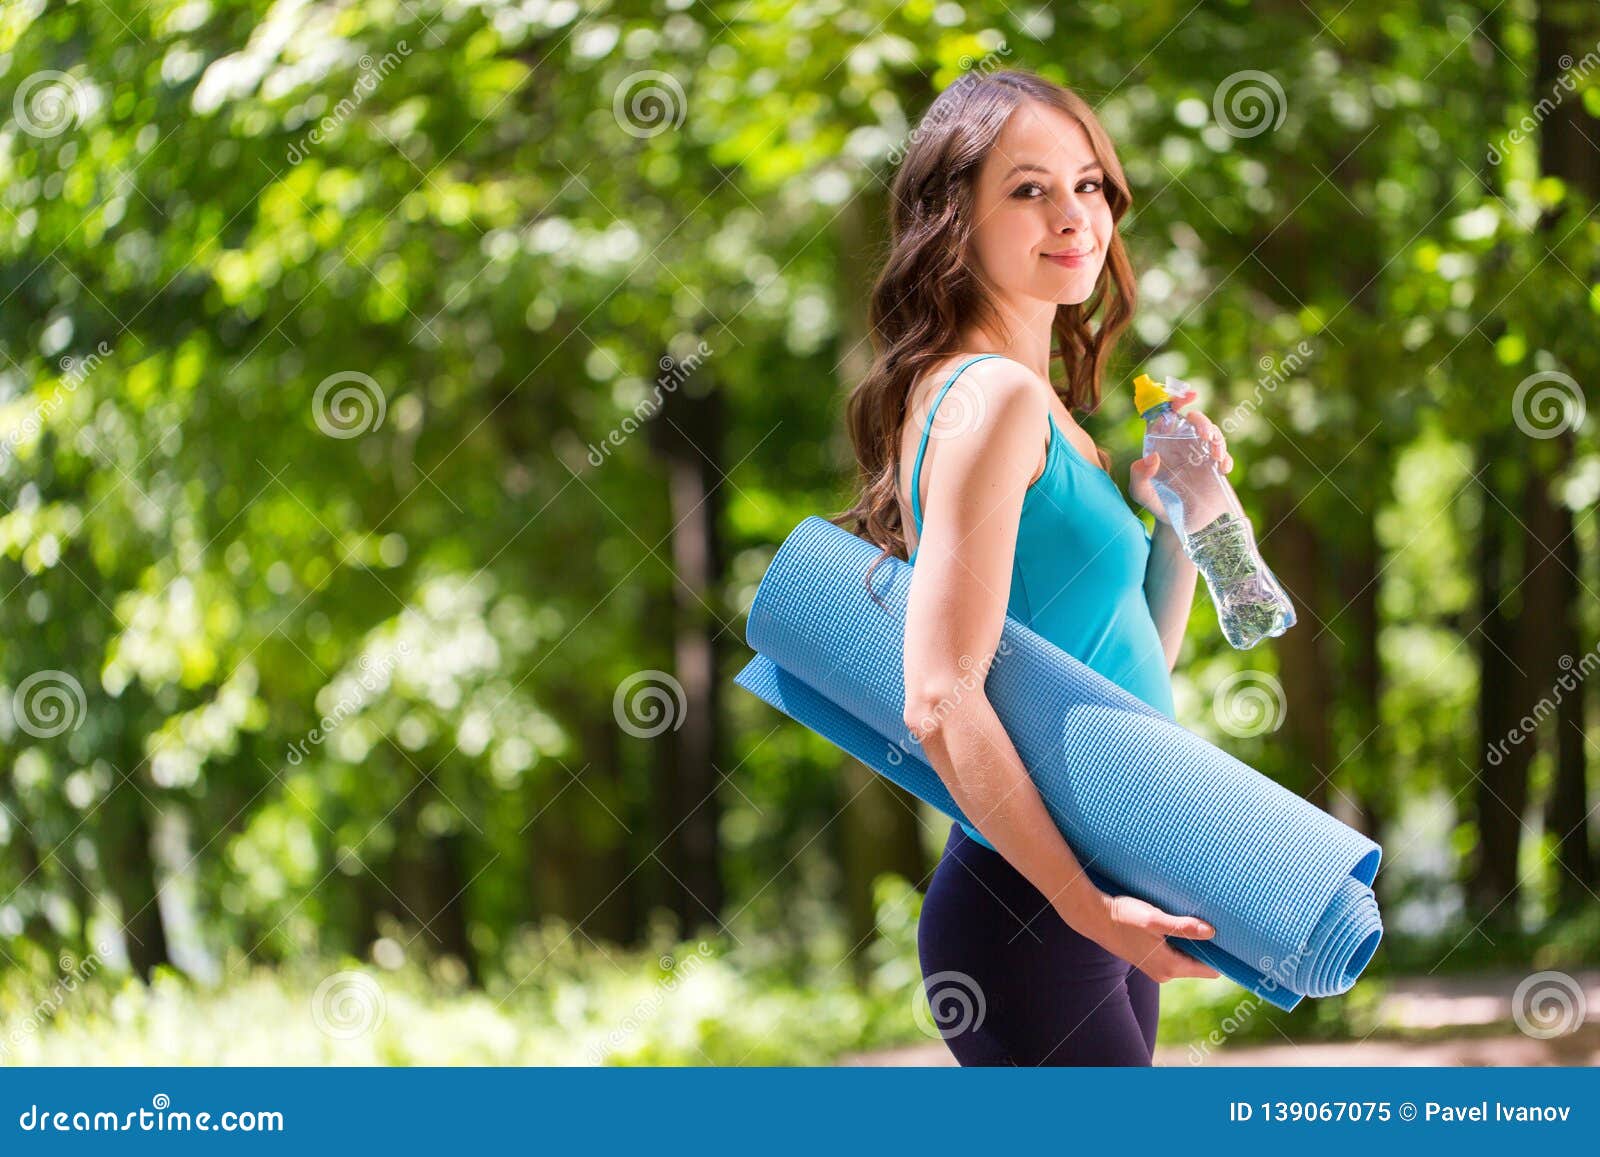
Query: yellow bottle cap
[1147,393]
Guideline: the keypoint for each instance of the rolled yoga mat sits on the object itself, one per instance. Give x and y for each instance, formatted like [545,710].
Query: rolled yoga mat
[1149,808]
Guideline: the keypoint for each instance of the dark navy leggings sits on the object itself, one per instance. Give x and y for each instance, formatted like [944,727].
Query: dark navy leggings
[1011,983]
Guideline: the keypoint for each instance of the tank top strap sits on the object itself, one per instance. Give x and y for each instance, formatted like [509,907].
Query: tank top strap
[922,446]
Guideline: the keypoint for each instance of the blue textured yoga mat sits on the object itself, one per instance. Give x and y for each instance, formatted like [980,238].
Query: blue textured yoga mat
[1150,809]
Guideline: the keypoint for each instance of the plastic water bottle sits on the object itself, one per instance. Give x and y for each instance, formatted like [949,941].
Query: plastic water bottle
[1210,523]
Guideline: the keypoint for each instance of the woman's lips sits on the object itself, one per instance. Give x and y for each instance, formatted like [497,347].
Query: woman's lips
[1070,260]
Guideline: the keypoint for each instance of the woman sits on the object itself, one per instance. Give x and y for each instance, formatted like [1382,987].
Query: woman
[1003,235]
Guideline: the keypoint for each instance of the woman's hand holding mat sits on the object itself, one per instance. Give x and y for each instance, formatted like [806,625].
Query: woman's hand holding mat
[1137,932]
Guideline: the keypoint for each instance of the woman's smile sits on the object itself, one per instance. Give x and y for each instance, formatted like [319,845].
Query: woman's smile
[1070,258]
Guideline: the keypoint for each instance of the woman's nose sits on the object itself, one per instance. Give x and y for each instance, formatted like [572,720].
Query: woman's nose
[1071,216]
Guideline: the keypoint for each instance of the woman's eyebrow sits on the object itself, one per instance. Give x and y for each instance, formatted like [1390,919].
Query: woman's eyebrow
[1029,166]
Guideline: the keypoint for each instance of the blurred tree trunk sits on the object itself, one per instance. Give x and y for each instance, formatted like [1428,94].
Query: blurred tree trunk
[1502,766]
[661,759]
[367,896]
[429,879]
[1567,815]
[879,829]
[130,867]
[1306,736]
[448,921]
[1364,794]
[1485,871]
[1568,151]
[1540,631]
[578,848]
[84,899]
[30,875]
[1535,536]
[687,435]
[1358,803]
[1327,560]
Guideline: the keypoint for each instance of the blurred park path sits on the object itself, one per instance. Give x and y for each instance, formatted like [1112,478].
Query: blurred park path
[1421,1021]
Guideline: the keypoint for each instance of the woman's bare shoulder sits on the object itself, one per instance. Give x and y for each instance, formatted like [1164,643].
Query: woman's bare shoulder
[996,375]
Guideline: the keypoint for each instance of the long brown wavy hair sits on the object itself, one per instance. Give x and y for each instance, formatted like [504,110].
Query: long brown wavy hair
[927,287]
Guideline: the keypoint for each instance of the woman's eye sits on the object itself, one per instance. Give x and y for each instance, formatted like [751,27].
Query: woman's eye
[1022,190]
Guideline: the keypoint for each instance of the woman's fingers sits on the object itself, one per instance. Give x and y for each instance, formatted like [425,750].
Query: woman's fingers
[1179,963]
[1171,964]
[1189,927]
[1210,431]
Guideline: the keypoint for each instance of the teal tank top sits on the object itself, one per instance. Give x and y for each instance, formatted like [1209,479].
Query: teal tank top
[1077,576]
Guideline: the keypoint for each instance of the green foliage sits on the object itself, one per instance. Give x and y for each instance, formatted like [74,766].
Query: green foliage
[334,509]
[678,1003]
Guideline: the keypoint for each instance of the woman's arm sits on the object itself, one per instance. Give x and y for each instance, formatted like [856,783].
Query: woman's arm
[1169,581]
[956,607]
[976,481]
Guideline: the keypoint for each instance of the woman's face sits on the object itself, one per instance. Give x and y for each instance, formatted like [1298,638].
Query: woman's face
[1041,192]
